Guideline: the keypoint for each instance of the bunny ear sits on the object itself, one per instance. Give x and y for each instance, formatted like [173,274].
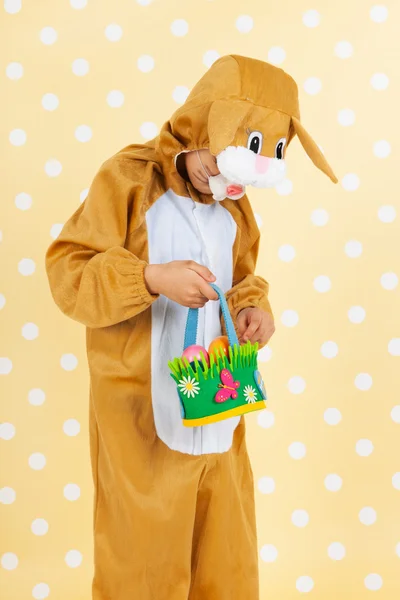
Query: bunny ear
[312,150]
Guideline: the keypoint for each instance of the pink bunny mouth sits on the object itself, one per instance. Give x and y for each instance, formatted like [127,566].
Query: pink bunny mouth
[234,190]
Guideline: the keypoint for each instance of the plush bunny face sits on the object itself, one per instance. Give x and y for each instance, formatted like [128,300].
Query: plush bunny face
[246,112]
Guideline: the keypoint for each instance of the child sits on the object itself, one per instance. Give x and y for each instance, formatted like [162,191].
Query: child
[174,515]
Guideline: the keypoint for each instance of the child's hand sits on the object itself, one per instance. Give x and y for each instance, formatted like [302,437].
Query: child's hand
[255,325]
[183,281]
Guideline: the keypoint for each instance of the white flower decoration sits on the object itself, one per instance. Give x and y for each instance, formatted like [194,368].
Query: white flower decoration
[250,394]
[189,386]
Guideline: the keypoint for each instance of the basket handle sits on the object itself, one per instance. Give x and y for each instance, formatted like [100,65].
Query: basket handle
[193,318]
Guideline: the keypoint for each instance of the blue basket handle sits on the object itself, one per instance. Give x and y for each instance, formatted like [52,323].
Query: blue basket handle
[193,318]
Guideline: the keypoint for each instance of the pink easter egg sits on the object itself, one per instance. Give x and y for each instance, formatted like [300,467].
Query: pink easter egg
[193,352]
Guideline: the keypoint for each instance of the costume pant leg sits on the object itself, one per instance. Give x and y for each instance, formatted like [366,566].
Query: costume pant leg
[144,514]
[225,553]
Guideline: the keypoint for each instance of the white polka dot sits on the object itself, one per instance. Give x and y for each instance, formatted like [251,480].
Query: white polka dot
[78,4]
[373,582]
[320,217]
[332,416]
[83,133]
[333,482]
[7,495]
[344,49]
[311,18]
[304,584]
[1,235]
[367,515]
[356,314]
[180,94]
[397,549]
[396,481]
[336,551]
[71,427]
[39,527]
[329,349]
[41,591]
[50,102]
[259,220]
[353,248]
[36,397]
[115,98]
[179,27]
[23,201]
[266,485]
[80,67]
[378,13]
[73,558]
[5,365]
[296,385]
[286,253]
[350,182]
[17,137]
[2,301]
[48,36]
[9,561]
[265,419]
[265,354]
[276,55]
[300,518]
[37,461]
[322,284]
[12,7]
[364,447]
[285,187]
[14,71]
[53,167]
[83,195]
[210,57]
[268,553]
[394,347]
[290,318]
[389,281]
[56,230]
[113,32]
[144,2]
[7,431]
[69,362]
[382,149]
[395,413]
[346,117]
[379,81]
[312,86]
[30,331]
[387,213]
[297,450]
[72,491]
[244,23]
[363,381]
[145,63]
[148,130]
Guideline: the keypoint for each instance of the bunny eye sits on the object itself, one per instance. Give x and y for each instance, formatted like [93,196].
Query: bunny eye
[279,148]
[254,143]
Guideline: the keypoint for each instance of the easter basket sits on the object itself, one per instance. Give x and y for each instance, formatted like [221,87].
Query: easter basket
[216,386]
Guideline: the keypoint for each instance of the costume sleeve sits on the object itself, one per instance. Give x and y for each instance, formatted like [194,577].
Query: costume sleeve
[93,278]
[248,289]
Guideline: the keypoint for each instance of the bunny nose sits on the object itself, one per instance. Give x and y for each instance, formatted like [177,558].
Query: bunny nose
[262,163]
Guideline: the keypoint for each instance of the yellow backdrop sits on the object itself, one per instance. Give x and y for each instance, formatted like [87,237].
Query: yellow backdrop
[81,79]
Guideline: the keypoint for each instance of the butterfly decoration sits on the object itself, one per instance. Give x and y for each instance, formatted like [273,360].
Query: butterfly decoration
[228,387]
[260,384]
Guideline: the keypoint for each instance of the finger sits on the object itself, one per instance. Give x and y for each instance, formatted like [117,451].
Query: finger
[201,270]
[207,291]
[255,322]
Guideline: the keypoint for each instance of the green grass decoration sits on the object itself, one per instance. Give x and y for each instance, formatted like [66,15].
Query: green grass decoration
[240,357]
